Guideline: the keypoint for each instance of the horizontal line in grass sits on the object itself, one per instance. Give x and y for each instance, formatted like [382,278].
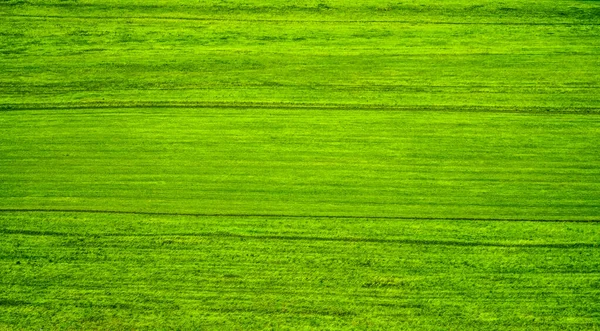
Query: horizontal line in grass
[311,238]
[266,20]
[299,106]
[362,87]
[410,218]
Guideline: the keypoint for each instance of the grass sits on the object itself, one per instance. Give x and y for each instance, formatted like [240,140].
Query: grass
[303,162]
[299,165]
[85,270]
[459,54]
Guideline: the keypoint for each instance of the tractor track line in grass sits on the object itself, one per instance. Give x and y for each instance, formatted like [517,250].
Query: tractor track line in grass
[305,106]
[489,89]
[416,218]
[310,238]
[265,20]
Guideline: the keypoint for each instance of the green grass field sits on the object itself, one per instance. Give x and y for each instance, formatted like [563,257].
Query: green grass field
[300,164]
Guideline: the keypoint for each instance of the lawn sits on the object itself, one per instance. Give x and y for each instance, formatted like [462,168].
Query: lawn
[121,271]
[300,165]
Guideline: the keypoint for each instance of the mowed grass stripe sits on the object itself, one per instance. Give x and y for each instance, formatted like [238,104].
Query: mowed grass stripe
[528,234]
[426,10]
[275,20]
[91,278]
[546,111]
[367,217]
[282,162]
[306,238]
[278,53]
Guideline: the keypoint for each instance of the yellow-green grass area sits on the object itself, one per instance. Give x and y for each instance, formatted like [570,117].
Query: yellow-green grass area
[300,164]
[125,271]
[303,219]
[303,162]
[535,55]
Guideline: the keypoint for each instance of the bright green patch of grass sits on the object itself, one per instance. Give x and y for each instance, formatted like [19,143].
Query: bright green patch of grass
[121,271]
[303,162]
[301,165]
[509,55]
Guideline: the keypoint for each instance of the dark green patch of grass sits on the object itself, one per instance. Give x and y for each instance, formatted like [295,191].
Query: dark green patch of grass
[123,271]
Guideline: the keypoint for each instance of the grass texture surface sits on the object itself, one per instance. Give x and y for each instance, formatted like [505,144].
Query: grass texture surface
[303,164]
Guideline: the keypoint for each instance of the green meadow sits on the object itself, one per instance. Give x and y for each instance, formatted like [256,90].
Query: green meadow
[303,164]
[122,271]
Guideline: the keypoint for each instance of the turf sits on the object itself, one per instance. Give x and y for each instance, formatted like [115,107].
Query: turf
[299,165]
[303,162]
[104,271]
[457,54]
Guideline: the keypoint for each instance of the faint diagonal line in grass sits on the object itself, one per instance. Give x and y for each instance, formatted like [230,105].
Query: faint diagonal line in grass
[301,106]
[311,238]
[414,218]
